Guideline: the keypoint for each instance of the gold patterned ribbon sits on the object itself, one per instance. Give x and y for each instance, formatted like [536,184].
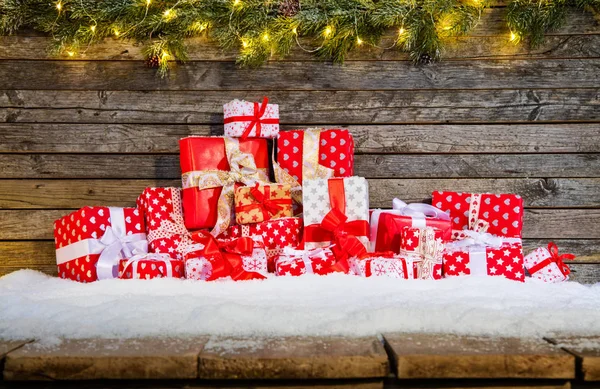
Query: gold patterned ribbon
[475,223]
[242,169]
[311,168]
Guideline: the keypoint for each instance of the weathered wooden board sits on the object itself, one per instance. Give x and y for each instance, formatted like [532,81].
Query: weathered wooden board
[7,346]
[587,351]
[202,49]
[538,224]
[71,194]
[162,166]
[293,358]
[476,138]
[88,359]
[363,75]
[303,107]
[418,356]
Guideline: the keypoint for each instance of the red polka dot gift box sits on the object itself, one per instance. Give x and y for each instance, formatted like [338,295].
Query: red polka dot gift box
[91,241]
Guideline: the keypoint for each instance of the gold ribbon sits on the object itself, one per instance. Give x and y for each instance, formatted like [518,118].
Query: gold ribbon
[242,169]
[311,168]
[475,223]
[427,254]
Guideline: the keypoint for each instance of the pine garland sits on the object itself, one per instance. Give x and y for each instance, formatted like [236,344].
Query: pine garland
[261,29]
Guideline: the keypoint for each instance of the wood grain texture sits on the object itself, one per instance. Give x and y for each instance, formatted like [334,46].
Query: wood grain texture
[293,358]
[6,346]
[587,351]
[78,166]
[359,75]
[538,224]
[91,359]
[304,107]
[437,356]
[72,194]
[202,49]
[159,139]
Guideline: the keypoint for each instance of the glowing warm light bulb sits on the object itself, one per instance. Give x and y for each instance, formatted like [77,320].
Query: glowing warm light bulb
[328,30]
[237,2]
[59,6]
[93,28]
[165,55]
[359,41]
[295,30]
[70,53]
[401,31]
[168,13]
[513,36]
[148,2]
[245,43]
[117,32]
[265,37]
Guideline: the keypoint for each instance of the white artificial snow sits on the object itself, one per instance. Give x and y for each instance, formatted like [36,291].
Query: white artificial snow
[33,305]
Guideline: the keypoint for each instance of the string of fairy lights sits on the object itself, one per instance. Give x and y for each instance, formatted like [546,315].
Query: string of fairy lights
[263,29]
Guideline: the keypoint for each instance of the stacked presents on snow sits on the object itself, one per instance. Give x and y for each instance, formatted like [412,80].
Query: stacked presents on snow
[229,221]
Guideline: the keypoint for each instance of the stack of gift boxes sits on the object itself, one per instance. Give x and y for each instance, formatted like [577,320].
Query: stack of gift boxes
[240,215]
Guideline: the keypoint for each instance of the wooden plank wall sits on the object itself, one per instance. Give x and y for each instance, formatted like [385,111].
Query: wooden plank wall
[98,128]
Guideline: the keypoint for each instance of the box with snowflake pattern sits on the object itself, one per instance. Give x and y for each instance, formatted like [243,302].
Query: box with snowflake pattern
[163,215]
[91,241]
[385,264]
[319,261]
[497,214]
[276,234]
[480,260]
[315,153]
[349,196]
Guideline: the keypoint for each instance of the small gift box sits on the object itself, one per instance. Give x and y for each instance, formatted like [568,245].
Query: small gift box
[320,261]
[149,266]
[425,247]
[276,234]
[211,168]
[485,255]
[262,202]
[387,225]
[497,214]
[312,154]
[240,259]
[163,216]
[336,211]
[245,119]
[385,264]
[91,241]
[545,264]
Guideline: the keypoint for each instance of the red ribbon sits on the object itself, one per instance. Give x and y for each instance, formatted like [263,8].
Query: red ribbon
[268,206]
[255,120]
[554,257]
[226,256]
[335,228]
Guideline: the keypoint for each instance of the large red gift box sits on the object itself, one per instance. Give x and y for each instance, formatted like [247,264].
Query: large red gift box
[387,225]
[214,164]
[149,266]
[425,248]
[497,214]
[163,216]
[314,153]
[91,241]
[484,260]
[319,261]
[276,234]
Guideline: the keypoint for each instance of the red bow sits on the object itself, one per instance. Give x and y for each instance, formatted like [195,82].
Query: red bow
[554,257]
[335,228]
[255,120]
[226,256]
[268,206]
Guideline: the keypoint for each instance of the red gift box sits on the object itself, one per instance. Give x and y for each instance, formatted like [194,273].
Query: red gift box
[312,154]
[244,118]
[151,266]
[211,167]
[276,234]
[497,214]
[484,258]
[387,225]
[425,246]
[385,264]
[545,264]
[319,261]
[163,216]
[91,241]
[240,259]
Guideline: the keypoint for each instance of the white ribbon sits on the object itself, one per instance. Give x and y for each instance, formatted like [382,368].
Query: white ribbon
[113,246]
[290,255]
[153,257]
[477,243]
[418,213]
